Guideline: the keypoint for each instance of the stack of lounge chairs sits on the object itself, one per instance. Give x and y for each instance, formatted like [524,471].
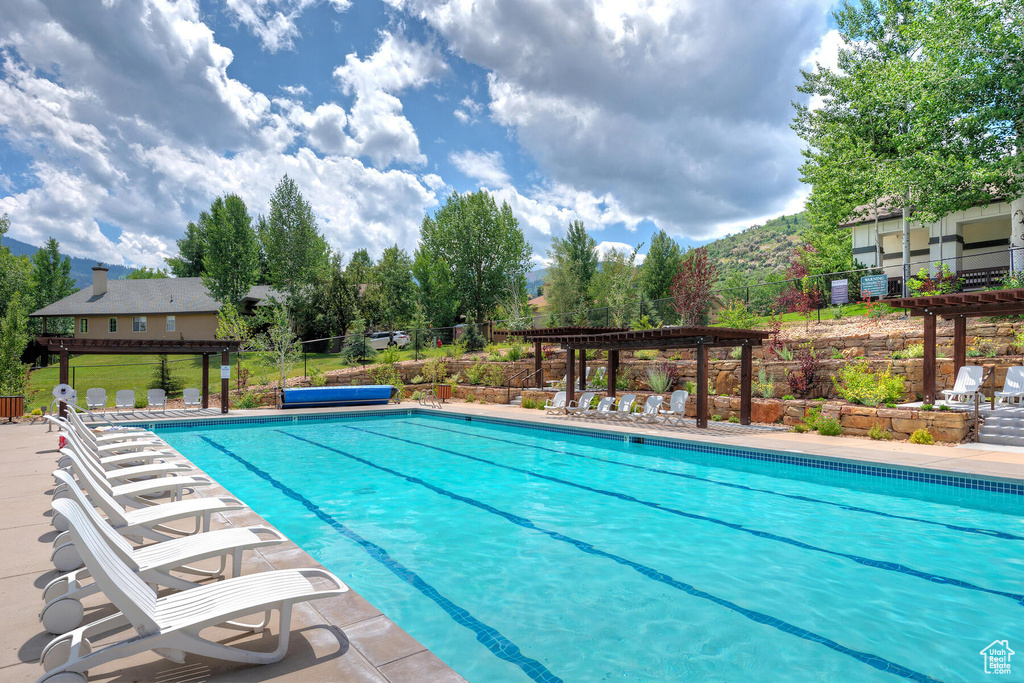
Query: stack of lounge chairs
[653,411]
[118,502]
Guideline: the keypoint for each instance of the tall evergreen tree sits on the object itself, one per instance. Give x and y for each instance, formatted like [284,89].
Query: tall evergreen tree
[660,266]
[295,254]
[481,244]
[231,258]
[15,271]
[571,273]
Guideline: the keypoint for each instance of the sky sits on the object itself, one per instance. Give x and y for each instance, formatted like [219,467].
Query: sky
[122,120]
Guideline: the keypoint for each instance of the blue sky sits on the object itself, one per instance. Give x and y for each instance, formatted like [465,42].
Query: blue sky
[120,121]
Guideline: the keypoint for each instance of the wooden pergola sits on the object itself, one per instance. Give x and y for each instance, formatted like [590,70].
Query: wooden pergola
[958,308]
[65,346]
[577,340]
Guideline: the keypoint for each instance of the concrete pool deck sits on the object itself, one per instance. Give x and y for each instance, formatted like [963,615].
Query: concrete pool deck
[346,638]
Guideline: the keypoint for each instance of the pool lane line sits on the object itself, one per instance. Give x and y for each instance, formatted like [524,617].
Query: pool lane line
[852,508]
[865,561]
[872,660]
[486,635]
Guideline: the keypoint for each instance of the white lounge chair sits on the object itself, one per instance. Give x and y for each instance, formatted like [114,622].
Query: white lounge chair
[124,399]
[966,387]
[148,523]
[109,434]
[122,469]
[625,407]
[605,408]
[582,403]
[557,382]
[171,625]
[156,397]
[193,398]
[96,399]
[676,406]
[556,404]
[138,454]
[154,562]
[652,407]
[1013,386]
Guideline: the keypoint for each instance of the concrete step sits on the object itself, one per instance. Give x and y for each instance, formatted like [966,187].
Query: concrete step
[517,401]
[1001,440]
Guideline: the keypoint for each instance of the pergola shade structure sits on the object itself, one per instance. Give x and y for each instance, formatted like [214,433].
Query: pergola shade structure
[577,340]
[958,308]
[65,346]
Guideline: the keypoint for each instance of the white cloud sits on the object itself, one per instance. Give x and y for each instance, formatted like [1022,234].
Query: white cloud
[296,90]
[826,56]
[274,21]
[679,109]
[604,249]
[378,125]
[486,167]
[468,110]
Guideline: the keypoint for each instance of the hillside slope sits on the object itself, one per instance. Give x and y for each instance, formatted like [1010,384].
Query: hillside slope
[758,250]
[81,268]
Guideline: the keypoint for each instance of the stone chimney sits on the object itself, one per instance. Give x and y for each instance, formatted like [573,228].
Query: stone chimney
[99,280]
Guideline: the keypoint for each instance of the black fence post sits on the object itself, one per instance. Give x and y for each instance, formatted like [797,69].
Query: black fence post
[305,370]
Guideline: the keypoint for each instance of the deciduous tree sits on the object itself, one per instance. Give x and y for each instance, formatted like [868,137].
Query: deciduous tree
[294,252]
[144,273]
[691,289]
[51,281]
[571,273]
[660,266]
[391,293]
[231,258]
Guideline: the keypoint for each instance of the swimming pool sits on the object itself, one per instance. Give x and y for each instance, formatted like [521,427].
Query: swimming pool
[516,553]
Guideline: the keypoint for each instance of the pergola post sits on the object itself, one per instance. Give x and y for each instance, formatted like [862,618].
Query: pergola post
[570,375]
[64,371]
[959,343]
[702,386]
[583,369]
[613,370]
[206,380]
[538,365]
[746,376]
[928,393]
[225,361]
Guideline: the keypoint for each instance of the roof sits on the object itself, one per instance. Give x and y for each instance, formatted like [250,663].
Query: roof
[133,297]
[888,208]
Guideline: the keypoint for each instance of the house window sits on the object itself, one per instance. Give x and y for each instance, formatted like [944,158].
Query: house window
[170,323]
[139,324]
[83,325]
[112,325]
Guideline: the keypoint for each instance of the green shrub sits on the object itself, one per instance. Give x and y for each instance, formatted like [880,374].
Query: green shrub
[926,406]
[246,401]
[527,402]
[37,411]
[801,428]
[837,313]
[495,376]
[836,354]
[736,353]
[734,419]
[317,378]
[829,426]
[878,434]
[475,374]
[141,401]
[788,397]
[716,418]
[857,384]
[660,378]
[922,436]
[811,417]
[495,354]
[944,407]
[416,379]
[785,353]
[516,351]
[416,395]
[737,314]
[645,354]
[912,351]
[469,398]
[764,387]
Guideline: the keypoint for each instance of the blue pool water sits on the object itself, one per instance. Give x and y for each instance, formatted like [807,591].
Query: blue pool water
[519,554]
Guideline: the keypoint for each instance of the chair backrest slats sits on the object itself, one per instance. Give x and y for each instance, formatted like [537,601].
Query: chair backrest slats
[1014,379]
[98,494]
[606,405]
[677,404]
[969,378]
[626,403]
[115,540]
[126,397]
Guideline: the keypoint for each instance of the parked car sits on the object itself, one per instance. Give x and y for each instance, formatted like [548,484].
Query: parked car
[381,340]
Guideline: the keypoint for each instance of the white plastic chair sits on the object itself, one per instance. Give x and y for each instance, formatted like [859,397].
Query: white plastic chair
[605,408]
[625,407]
[171,625]
[652,406]
[124,468]
[96,398]
[156,397]
[966,387]
[579,405]
[676,406]
[193,398]
[154,562]
[556,404]
[125,398]
[1013,386]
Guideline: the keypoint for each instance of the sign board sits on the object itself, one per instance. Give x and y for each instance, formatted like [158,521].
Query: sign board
[874,285]
[840,292]
[225,372]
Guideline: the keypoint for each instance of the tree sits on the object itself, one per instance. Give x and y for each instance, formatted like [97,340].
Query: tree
[482,245]
[277,345]
[231,258]
[572,270]
[391,292]
[356,347]
[163,378]
[145,273]
[660,267]
[359,266]
[438,297]
[691,289]
[471,336]
[617,287]
[51,281]
[328,308]
[15,271]
[191,248]
[924,110]
[294,252]
[13,340]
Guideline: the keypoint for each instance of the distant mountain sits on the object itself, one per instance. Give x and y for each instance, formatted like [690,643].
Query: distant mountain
[81,268]
[534,279]
[760,249]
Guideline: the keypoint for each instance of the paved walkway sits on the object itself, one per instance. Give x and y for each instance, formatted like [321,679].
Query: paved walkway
[346,638]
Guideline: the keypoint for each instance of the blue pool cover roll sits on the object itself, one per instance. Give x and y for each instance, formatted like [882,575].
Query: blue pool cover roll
[361,395]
